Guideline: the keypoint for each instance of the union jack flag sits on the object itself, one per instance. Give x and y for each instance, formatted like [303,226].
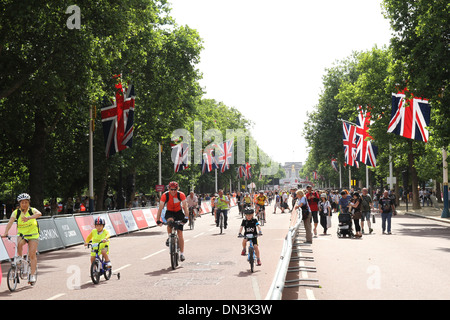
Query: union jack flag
[349,140]
[248,170]
[209,161]
[117,120]
[334,164]
[226,155]
[315,175]
[180,156]
[409,118]
[366,151]
[242,171]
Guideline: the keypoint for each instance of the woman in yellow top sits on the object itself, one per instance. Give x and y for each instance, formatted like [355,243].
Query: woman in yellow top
[26,225]
[101,236]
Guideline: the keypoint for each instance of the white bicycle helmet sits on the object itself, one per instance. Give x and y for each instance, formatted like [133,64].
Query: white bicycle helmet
[23,196]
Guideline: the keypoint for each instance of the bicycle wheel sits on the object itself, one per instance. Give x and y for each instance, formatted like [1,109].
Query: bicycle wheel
[221,222]
[251,259]
[261,218]
[108,272]
[191,221]
[13,279]
[96,267]
[173,252]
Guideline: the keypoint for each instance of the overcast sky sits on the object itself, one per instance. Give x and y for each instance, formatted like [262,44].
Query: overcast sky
[267,58]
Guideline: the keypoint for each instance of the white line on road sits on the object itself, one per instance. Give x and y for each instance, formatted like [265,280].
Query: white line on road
[256,288]
[121,268]
[198,235]
[153,254]
[56,296]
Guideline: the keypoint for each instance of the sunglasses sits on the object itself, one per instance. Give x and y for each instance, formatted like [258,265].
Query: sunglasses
[173,189]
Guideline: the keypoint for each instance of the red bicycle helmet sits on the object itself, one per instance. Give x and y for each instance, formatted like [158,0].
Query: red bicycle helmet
[173,185]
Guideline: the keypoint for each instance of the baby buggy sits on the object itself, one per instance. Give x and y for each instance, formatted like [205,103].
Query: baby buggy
[345,225]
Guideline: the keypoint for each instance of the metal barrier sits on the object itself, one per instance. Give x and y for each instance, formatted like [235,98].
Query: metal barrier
[276,289]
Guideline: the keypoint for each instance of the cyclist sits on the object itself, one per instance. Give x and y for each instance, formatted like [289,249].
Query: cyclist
[101,236]
[221,204]
[250,226]
[176,203]
[247,200]
[192,202]
[26,225]
[261,200]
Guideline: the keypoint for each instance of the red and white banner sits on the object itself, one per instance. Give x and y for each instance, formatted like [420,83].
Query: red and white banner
[118,222]
[85,224]
[140,218]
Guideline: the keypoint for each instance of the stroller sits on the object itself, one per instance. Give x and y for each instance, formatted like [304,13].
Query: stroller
[345,225]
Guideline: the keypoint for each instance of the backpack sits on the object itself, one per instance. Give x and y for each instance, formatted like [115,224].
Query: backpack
[167,196]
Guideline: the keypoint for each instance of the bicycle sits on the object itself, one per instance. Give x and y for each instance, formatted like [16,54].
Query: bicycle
[251,256]
[221,220]
[191,218]
[174,248]
[98,266]
[262,215]
[20,267]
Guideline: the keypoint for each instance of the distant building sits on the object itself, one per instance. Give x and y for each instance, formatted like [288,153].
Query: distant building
[292,179]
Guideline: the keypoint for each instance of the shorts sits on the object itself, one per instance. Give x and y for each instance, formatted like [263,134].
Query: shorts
[365,214]
[255,241]
[314,216]
[176,216]
[101,246]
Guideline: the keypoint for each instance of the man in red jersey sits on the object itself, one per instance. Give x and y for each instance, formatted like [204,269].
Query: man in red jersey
[176,202]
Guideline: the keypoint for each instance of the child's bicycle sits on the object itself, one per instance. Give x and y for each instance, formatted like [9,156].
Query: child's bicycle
[20,267]
[251,256]
[99,267]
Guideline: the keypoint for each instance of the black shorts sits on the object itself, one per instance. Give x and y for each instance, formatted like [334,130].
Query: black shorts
[176,216]
[255,241]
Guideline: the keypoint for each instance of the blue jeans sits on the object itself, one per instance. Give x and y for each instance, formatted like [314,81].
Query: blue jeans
[384,217]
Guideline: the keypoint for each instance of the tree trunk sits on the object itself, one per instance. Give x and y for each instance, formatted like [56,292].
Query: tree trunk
[37,163]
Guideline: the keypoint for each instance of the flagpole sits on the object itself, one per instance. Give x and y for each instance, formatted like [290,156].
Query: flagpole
[215,174]
[159,167]
[445,213]
[91,160]
[340,177]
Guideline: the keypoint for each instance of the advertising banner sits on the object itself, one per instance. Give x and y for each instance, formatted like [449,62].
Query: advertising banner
[49,238]
[69,231]
[151,222]
[85,225]
[9,244]
[139,218]
[129,220]
[118,223]
[108,224]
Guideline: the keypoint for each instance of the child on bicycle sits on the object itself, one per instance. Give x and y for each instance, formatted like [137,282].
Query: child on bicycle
[250,226]
[101,236]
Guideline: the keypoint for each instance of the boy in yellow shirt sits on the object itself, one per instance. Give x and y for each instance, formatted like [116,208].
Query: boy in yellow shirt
[101,236]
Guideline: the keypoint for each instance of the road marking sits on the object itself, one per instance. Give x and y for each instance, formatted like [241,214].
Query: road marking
[310,294]
[198,235]
[153,254]
[256,288]
[121,268]
[56,296]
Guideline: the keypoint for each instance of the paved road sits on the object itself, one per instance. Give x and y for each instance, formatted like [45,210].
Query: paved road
[213,270]
[412,263]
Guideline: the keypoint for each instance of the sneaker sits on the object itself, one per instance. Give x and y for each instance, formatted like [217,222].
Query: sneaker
[370,230]
[108,265]
[243,253]
[258,262]
[182,258]
[32,280]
